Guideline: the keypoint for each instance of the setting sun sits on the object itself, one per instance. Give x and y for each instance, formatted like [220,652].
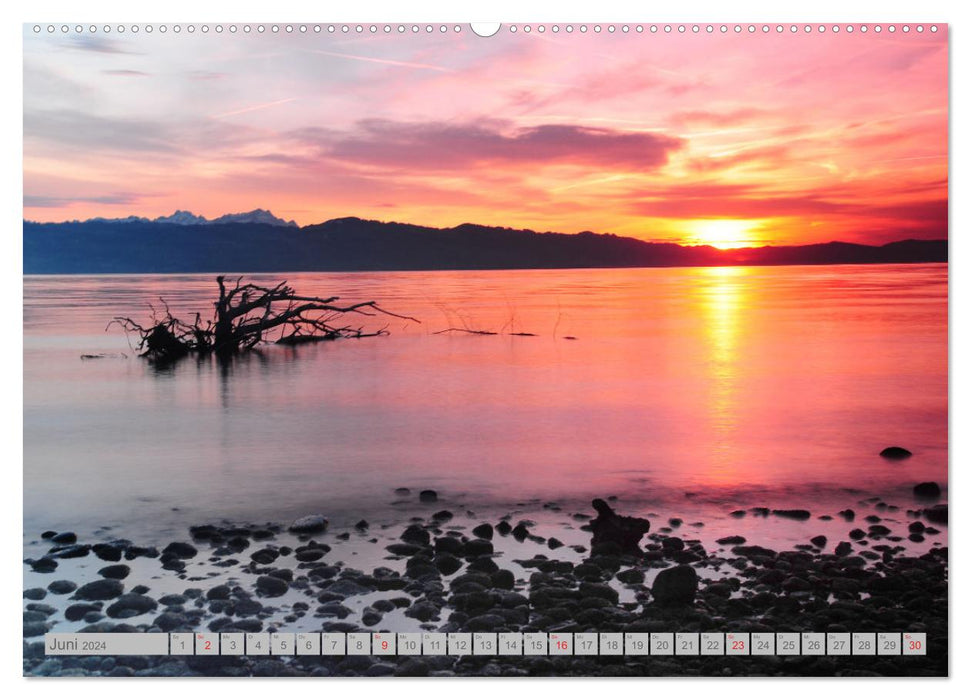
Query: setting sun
[722,233]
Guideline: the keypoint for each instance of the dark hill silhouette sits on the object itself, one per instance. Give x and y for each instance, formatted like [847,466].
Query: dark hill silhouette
[357,244]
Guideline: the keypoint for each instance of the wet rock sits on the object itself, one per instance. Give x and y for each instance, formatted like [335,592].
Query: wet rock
[107,552]
[309,524]
[794,584]
[483,565]
[309,554]
[401,491]
[265,556]
[848,514]
[737,514]
[819,541]
[180,550]
[554,543]
[476,548]
[103,589]
[843,548]
[117,571]
[449,545]
[857,534]
[428,496]
[35,594]
[916,526]
[362,525]
[895,452]
[927,489]
[672,544]
[271,586]
[34,629]
[44,565]
[792,513]
[371,617]
[64,538]
[70,551]
[937,514]
[630,576]
[610,529]
[503,528]
[447,564]
[423,610]
[76,612]
[130,605]
[221,592]
[443,516]
[483,531]
[133,552]
[169,621]
[733,539]
[675,586]
[415,534]
[503,578]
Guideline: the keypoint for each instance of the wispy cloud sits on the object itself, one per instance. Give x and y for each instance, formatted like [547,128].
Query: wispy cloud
[254,108]
[383,61]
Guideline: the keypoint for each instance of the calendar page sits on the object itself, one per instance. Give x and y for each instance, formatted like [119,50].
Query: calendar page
[437,349]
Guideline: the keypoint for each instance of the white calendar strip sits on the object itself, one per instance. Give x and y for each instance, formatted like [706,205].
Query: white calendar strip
[489,644]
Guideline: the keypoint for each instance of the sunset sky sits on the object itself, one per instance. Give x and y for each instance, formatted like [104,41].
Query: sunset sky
[722,139]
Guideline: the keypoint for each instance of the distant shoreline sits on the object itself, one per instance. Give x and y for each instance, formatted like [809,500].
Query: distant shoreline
[468,269]
[356,245]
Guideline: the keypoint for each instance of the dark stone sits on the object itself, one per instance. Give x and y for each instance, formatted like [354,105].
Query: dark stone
[64,538]
[675,586]
[793,513]
[895,453]
[35,594]
[504,579]
[133,552]
[271,586]
[937,514]
[309,554]
[76,612]
[362,525]
[849,514]
[44,565]
[476,548]
[484,531]
[264,556]
[927,489]
[180,550]
[733,539]
[103,589]
[309,524]
[169,621]
[449,545]
[623,532]
[70,551]
[62,587]
[819,541]
[448,564]
[414,534]
[402,491]
[443,516]
[107,552]
[630,576]
[218,593]
[118,571]
[843,548]
[47,534]
[857,534]
[428,496]
[503,528]
[130,605]
[553,543]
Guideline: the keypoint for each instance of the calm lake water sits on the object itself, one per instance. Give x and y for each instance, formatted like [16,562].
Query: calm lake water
[694,389]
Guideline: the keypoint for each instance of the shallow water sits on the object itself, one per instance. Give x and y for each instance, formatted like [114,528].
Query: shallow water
[687,392]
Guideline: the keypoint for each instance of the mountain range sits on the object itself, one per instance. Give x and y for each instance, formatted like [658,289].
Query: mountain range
[257,241]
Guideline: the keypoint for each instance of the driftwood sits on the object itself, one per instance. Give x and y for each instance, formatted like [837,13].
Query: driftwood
[246,315]
[616,532]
